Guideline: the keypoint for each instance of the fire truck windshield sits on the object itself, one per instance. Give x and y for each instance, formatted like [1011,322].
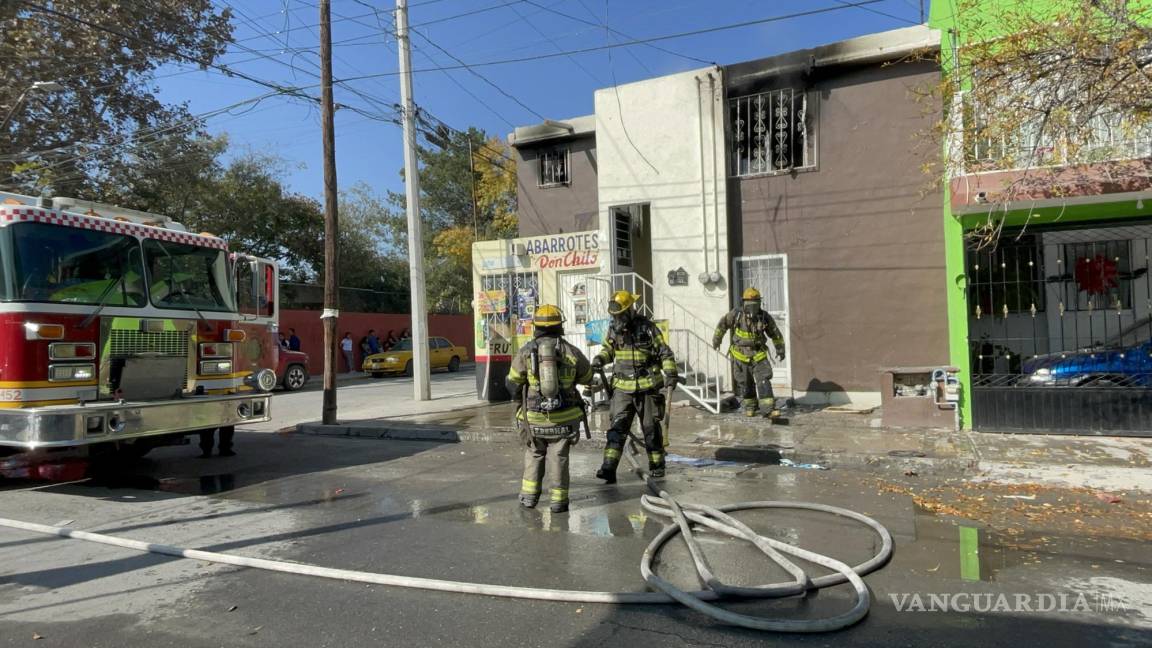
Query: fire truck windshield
[187,277]
[52,263]
[41,262]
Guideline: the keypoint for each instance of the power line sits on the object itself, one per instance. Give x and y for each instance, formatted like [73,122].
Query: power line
[614,31]
[467,13]
[629,43]
[483,78]
[883,13]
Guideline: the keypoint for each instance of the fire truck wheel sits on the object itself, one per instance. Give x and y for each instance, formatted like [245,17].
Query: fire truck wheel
[294,378]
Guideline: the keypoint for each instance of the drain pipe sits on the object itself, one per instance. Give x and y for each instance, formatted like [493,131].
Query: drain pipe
[705,277]
[716,276]
[683,515]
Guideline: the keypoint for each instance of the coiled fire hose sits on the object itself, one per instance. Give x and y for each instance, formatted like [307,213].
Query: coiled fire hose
[683,516]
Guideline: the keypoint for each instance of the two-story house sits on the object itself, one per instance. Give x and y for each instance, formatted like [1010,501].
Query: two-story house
[797,174]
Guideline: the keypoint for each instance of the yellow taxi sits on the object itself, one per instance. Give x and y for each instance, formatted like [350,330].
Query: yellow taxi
[442,354]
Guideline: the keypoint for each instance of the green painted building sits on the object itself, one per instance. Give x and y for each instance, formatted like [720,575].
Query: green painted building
[1048,288]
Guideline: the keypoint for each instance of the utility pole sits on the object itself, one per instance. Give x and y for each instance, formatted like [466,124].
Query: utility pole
[420,386]
[331,223]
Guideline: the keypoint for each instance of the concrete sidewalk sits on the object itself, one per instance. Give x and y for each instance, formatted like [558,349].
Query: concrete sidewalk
[818,439]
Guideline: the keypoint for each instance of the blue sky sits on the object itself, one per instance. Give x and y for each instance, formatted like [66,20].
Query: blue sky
[278,41]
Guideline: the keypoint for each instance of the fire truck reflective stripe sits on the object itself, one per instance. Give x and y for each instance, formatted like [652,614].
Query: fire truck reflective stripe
[229,383]
[47,403]
[30,214]
[27,384]
[46,393]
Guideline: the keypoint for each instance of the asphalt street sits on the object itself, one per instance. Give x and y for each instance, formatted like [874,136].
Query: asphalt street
[449,511]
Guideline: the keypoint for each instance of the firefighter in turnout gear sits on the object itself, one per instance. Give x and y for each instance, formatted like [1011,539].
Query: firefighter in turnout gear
[545,373]
[748,348]
[642,362]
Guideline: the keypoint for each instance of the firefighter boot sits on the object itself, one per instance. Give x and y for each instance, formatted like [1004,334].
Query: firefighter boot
[529,500]
[749,407]
[656,465]
[607,470]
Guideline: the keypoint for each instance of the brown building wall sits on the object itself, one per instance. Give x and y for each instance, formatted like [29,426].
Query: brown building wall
[864,242]
[553,210]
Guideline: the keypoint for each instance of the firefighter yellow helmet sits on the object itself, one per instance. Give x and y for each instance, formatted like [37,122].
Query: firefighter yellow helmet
[621,302]
[751,294]
[547,316]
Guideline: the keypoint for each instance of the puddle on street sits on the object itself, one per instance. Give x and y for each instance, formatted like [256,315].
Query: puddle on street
[580,520]
[955,549]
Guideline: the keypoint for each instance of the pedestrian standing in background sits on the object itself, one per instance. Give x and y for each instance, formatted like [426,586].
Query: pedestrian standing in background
[293,340]
[283,341]
[346,348]
[389,341]
[373,342]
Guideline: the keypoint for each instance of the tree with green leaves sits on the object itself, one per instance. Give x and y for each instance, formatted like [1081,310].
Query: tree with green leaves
[468,194]
[74,139]
[1060,90]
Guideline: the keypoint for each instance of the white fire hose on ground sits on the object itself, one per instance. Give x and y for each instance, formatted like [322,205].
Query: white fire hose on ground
[683,516]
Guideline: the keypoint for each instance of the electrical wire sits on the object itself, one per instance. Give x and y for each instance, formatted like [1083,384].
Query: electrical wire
[633,42]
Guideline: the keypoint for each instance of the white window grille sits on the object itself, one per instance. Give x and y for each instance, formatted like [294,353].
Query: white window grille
[622,226]
[554,168]
[773,132]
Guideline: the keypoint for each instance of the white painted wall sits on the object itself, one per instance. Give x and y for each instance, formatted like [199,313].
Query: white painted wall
[665,118]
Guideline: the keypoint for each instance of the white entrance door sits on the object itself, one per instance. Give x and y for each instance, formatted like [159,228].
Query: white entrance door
[768,273]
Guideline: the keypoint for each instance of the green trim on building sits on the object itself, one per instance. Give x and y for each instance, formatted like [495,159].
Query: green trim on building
[941,17]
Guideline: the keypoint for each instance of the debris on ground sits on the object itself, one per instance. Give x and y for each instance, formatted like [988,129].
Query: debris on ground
[697,462]
[1053,509]
[807,466]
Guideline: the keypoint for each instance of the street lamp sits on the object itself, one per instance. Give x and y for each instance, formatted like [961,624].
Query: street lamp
[38,86]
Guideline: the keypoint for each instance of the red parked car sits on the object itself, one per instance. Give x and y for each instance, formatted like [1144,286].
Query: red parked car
[292,369]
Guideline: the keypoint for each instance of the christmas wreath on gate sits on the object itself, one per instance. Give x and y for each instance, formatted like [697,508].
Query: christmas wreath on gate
[1096,275]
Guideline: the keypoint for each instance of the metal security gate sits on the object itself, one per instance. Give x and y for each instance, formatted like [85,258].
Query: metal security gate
[768,273]
[1060,330]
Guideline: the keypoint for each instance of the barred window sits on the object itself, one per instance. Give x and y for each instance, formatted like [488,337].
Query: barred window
[554,168]
[773,132]
[1007,279]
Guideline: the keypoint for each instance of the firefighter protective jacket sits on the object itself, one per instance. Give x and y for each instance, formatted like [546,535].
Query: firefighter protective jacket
[640,355]
[750,335]
[573,368]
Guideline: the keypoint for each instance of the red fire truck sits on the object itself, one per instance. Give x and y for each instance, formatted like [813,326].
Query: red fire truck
[121,330]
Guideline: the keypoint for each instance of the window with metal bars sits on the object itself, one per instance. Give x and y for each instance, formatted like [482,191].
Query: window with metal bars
[554,168]
[773,132]
[1007,279]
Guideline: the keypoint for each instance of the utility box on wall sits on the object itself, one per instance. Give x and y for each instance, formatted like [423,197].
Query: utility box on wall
[919,397]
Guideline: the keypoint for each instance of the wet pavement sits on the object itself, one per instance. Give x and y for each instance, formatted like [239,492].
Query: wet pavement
[448,510]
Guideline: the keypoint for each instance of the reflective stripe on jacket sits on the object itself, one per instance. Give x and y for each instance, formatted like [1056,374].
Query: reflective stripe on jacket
[750,335]
[639,354]
[573,369]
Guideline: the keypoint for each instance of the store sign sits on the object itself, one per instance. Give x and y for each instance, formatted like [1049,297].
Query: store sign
[556,244]
[573,259]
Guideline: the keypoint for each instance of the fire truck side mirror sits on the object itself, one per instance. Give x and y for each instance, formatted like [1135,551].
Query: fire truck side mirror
[249,289]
